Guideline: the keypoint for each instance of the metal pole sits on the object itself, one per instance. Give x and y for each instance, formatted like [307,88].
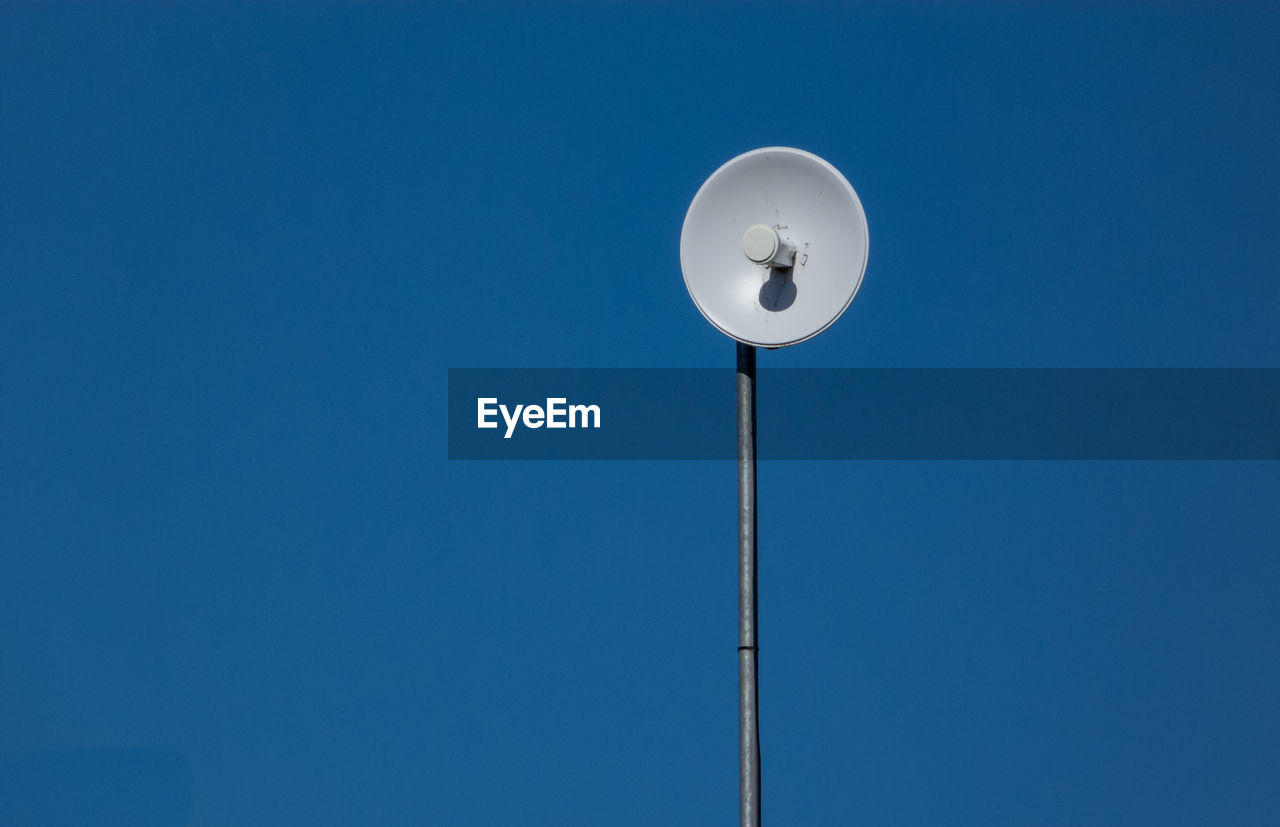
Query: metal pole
[748,650]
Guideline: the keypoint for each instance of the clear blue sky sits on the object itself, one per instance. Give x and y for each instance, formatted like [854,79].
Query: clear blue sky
[240,246]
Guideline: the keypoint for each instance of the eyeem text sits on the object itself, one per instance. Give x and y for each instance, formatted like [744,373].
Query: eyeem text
[556,414]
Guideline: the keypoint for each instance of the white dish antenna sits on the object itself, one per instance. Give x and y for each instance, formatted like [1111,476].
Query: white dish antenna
[774,247]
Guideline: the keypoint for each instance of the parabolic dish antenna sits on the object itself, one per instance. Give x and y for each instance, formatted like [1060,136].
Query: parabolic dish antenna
[774,247]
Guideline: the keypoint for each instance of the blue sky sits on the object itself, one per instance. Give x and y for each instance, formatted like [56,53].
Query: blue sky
[240,246]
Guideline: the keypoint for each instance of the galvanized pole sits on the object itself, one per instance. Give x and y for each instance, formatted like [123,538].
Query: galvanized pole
[748,650]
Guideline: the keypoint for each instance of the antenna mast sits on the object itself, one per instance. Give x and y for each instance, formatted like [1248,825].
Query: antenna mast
[748,641]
